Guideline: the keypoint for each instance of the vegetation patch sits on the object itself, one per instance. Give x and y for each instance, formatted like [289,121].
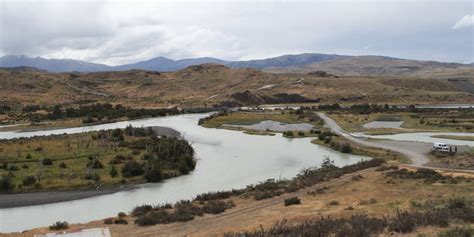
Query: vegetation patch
[362,225]
[428,175]
[107,157]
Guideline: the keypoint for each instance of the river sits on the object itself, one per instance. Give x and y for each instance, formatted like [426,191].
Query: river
[226,159]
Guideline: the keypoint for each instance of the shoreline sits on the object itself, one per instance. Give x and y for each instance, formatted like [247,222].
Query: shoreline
[13,200]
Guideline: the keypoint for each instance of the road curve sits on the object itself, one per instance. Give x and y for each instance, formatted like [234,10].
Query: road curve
[417,159]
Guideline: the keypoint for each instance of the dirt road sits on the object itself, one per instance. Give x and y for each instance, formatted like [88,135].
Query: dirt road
[415,151]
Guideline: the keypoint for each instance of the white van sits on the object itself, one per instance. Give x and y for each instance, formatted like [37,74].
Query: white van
[441,147]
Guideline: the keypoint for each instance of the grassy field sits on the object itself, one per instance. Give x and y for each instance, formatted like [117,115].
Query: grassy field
[444,120]
[460,160]
[83,160]
[249,118]
[363,150]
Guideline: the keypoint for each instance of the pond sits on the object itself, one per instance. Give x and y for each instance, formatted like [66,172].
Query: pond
[275,126]
[226,159]
[383,124]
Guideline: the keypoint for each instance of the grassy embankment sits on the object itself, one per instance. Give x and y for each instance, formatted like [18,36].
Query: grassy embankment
[443,120]
[131,155]
[338,143]
[249,118]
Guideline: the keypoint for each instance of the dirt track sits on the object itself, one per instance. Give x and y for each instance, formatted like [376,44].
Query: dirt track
[415,151]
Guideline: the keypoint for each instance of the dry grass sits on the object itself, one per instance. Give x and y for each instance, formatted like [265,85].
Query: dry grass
[388,197]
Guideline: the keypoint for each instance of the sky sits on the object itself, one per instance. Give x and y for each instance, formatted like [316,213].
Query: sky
[120,32]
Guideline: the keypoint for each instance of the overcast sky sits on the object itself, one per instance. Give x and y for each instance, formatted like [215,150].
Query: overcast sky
[118,32]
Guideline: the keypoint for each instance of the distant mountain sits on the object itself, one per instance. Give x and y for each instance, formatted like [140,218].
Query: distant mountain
[166,64]
[285,61]
[162,63]
[382,66]
[297,63]
[52,65]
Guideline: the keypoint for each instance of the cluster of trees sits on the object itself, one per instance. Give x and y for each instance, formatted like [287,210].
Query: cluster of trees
[153,158]
[179,212]
[210,117]
[162,153]
[342,147]
[94,112]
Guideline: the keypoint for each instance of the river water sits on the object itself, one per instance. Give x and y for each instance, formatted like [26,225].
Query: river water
[427,137]
[226,159]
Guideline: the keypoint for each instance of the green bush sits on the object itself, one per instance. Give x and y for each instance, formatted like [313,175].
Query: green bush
[6,184]
[29,180]
[47,161]
[132,168]
[113,172]
[59,225]
[154,174]
[457,231]
[346,148]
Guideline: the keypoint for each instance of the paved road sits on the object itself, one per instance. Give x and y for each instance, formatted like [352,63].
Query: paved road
[415,151]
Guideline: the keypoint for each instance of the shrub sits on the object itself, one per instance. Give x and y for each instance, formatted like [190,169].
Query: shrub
[142,209]
[28,156]
[457,231]
[121,218]
[132,168]
[62,165]
[113,172]
[47,161]
[333,203]
[59,225]
[292,201]
[6,183]
[94,163]
[154,174]
[346,148]
[29,180]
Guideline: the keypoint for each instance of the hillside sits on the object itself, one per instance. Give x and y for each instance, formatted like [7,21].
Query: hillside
[297,63]
[383,66]
[214,85]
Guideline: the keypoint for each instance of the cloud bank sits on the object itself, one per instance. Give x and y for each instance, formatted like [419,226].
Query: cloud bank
[465,22]
[117,32]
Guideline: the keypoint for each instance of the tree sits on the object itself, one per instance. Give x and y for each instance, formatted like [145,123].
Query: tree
[154,174]
[327,163]
[6,183]
[132,168]
[113,172]
[29,180]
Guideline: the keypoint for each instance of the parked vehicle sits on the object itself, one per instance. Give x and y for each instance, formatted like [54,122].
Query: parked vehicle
[441,147]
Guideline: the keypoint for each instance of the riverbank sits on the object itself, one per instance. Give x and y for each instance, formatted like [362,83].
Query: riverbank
[47,197]
[377,192]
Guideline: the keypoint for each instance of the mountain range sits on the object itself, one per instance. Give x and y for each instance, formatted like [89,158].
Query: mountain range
[296,63]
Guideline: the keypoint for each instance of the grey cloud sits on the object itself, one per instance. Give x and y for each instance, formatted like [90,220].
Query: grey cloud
[128,31]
